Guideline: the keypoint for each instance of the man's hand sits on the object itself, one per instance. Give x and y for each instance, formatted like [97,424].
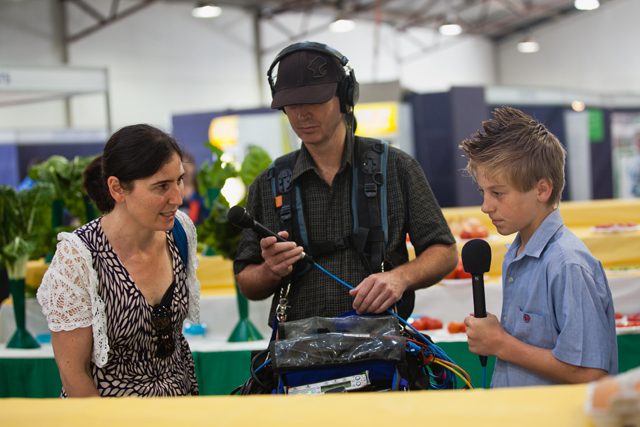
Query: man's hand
[280,256]
[378,292]
[484,335]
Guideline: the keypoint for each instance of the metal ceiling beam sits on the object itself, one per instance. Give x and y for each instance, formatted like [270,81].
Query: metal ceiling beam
[497,28]
[103,21]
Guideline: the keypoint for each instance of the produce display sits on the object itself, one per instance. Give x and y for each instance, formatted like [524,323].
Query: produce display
[617,227]
[625,269]
[426,323]
[630,321]
[468,228]
[458,273]
[455,328]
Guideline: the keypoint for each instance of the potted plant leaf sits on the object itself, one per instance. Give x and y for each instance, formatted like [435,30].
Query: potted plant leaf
[25,227]
[218,233]
[66,178]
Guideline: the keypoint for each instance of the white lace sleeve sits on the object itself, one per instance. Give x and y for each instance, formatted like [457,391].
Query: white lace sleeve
[192,280]
[69,296]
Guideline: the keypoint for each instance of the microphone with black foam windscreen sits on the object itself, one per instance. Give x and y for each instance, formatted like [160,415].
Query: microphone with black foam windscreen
[476,259]
[239,217]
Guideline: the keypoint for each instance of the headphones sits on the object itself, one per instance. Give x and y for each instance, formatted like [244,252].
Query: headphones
[348,88]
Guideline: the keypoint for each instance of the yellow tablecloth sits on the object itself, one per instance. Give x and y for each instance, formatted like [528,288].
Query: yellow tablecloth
[215,274]
[533,406]
[612,249]
[575,214]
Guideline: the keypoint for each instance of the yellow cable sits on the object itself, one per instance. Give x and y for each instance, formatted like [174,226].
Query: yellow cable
[457,367]
[454,371]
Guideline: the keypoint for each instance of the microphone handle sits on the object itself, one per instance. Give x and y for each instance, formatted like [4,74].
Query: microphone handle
[263,232]
[479,304]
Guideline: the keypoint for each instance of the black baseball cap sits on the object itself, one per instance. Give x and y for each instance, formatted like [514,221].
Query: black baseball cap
[306,77]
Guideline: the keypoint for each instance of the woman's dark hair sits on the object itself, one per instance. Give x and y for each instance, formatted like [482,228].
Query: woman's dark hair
[133,152]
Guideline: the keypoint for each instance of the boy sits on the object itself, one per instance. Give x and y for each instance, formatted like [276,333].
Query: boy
[557,323]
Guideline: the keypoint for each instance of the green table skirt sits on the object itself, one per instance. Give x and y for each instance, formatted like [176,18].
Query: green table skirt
[218,373]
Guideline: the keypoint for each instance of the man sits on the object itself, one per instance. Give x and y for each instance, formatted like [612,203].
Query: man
[318,96]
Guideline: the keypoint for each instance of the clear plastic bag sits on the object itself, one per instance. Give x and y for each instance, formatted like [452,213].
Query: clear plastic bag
[379,325]
[326,341]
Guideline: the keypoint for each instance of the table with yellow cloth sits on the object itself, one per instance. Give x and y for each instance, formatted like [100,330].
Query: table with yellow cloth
[549,406]
[612,249]
[450,302]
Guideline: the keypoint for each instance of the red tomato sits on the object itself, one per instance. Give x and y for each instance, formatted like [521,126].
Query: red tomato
[451,276]
[618,316]
[480,233]
[604,225]
[628,324]
[455,327]
[460,273]
[465,234]
[418,324]
[430,324]
[633,317]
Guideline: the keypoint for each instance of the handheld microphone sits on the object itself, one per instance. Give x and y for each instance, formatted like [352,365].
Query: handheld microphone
[476,259]
[239,217]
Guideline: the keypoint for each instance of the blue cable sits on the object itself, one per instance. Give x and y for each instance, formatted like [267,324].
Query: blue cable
[262,366]
[484,376]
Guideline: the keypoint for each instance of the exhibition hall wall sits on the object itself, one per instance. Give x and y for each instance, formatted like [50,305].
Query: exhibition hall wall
[161,61]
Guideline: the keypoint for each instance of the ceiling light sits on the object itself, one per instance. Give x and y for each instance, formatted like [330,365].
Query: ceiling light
[586,4]
[206,10]
[342,26]
[528,45]
[450,29]
[577,105]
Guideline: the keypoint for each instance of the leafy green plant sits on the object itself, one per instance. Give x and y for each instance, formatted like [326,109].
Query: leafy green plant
[66,178]
[25,225]
[216,231]
[212,176]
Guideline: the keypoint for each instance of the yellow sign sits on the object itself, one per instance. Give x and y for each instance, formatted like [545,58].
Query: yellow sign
[376,119]
[223,131]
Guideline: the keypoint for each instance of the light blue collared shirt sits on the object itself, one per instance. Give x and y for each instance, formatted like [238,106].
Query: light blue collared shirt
[555,295]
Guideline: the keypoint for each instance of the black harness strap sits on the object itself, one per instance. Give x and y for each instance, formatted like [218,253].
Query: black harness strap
[370,177]
[369,236]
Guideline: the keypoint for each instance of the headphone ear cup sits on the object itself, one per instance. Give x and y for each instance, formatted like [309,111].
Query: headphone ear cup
[355,93]
[345,94]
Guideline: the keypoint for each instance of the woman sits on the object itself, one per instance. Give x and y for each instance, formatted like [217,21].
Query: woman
[117,290]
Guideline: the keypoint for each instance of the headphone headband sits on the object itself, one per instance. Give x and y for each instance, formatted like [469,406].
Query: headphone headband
[348,88]
[306,46]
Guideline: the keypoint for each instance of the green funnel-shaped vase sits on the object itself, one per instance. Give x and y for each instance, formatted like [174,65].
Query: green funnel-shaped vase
[244,330]
[21,338]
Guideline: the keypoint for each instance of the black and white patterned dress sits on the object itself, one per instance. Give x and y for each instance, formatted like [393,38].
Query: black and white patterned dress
[130,366]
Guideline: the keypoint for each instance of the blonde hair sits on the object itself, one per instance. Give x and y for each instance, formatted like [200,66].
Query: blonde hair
[518,148]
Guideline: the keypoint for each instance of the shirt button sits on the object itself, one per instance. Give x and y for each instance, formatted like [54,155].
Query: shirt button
[510,279]
[504,318]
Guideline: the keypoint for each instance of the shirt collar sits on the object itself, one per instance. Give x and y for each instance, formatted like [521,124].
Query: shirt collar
[540,237]
[305,161]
